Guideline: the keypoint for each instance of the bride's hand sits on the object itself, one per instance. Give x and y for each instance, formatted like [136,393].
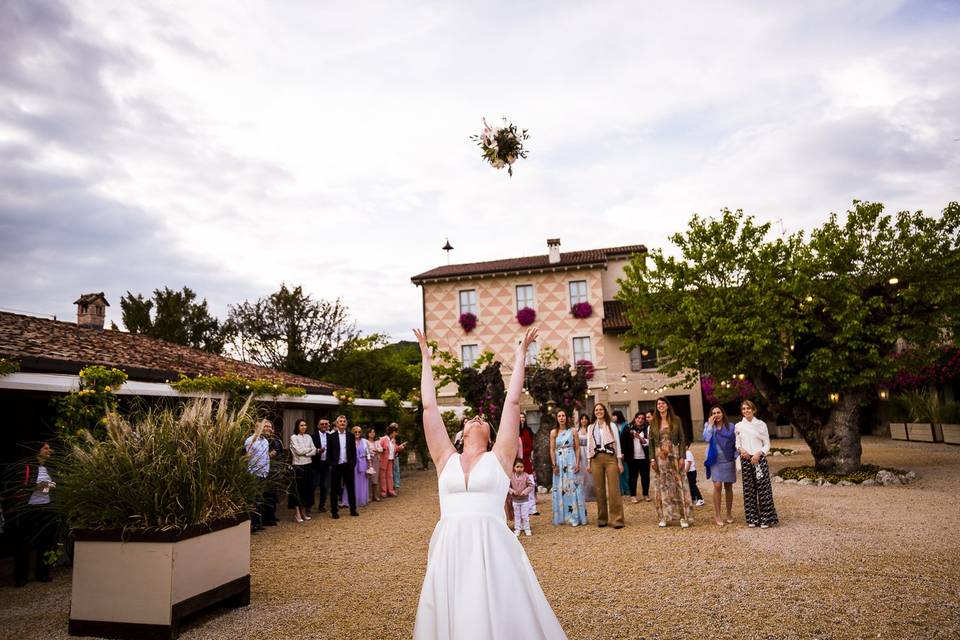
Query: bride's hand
[529,337]
[422,341]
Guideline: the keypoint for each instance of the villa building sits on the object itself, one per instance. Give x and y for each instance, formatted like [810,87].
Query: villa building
[551,286]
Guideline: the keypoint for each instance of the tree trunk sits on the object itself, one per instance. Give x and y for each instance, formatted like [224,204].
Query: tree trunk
[835,444]
[542,465]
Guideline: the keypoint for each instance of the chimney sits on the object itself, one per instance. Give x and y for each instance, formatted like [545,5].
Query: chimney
[92,310]
[553,246]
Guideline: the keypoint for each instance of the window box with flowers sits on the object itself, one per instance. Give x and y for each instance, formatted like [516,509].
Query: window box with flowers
[526,316]
[581,310]
[468,321]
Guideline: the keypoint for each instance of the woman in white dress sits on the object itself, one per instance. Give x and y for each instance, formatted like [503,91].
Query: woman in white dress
[479,584]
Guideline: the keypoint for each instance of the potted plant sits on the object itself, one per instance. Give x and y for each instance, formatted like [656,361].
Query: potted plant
[159,513]
[924,410]
[951,423]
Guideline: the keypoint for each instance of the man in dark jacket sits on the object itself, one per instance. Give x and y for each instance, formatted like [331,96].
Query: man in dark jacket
[321,466]
[342,458]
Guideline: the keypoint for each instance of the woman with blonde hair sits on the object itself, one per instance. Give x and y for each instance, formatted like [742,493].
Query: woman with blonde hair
[606,465]
[753,444]
[671,494]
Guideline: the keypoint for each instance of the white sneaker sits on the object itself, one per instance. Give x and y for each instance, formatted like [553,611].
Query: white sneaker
[574,524]
[662,524]
[684,524]
[528,533]
[307,518]
[699,503]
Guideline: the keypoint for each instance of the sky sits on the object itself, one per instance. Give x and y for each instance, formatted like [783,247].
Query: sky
[232,146]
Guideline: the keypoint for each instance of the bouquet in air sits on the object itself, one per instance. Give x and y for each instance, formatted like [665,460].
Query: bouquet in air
[501,146]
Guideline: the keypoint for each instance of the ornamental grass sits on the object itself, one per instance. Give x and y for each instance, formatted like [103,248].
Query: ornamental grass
[167,469]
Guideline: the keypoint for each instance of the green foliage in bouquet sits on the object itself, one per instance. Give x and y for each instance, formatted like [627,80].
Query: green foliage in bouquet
[502,146]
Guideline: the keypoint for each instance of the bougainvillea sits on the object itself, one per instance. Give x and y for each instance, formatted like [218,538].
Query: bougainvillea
[526,316]
[468,321]
[581,310]
[587,368]
[914,375]
[727,391]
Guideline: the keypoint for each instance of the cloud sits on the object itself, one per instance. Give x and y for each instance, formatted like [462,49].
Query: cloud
[327,145]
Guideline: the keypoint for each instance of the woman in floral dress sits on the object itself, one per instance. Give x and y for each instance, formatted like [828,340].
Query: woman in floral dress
[667,446]
[568,504]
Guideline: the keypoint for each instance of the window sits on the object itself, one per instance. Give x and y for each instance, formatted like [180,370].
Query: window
[643,358]
[469,354]
[524,296]
[581,350]
[532,352]
[468,301]
[578,292]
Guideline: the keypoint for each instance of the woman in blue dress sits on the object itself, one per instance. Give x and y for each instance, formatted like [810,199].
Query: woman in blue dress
[720,464]
[569,506]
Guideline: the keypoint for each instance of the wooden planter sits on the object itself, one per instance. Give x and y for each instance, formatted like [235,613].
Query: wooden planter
[143,585]
[920,432]
[951,433]
[898,431]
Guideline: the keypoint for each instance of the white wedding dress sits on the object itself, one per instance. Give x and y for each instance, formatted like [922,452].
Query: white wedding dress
[479,583]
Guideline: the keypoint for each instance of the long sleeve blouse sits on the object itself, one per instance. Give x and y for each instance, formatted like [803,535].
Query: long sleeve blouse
[752,436]
[302,449]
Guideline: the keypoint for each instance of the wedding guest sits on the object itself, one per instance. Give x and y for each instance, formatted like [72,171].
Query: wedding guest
[33,523]
[753,443]
[586,478]
[258,464]
[396,460]
[690,464]
[633,444]
[667,443]
[321,467]
[526,438]
[302,451]
[606,464]
[622,425]
[373,470]
[390,451]
[360,482]
[521,486]
[721,465]
[342,457]
[275,453]
[568,504]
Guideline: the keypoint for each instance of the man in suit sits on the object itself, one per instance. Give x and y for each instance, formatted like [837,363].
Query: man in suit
[321,465]
[342,457]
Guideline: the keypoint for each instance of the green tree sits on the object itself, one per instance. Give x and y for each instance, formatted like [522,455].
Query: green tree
[289,330]
[815,323]
[174,316]
[369,365]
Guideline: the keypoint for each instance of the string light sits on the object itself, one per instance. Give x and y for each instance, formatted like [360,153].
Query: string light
[894,280]
[834,397]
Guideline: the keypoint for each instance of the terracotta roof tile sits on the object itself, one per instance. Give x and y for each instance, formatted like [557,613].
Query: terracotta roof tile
[615,316]
[529,263]
[44,345]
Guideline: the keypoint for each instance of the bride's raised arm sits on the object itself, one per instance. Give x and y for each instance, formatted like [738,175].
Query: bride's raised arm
[506,445]
[438,442]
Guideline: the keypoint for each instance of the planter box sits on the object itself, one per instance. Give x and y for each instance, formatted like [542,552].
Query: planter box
[143,585]
[898,431]
[951,433]
[920,432]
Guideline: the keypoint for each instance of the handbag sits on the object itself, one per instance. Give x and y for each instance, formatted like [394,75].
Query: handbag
[371,471]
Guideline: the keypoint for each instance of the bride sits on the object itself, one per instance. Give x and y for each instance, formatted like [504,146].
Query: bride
[479,583]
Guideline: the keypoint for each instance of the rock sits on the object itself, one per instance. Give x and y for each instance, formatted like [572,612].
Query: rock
[845,483]
[806,482]
[821,482]
[910,477]
[775,453]
[777,480]
[885,478]
[790,481]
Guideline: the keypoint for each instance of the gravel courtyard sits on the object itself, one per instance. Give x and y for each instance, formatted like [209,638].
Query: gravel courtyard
[845,562]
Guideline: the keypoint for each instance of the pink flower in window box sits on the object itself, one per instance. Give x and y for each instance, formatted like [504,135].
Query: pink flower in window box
[581,310]
[526,316]
[468,321]
[587,367]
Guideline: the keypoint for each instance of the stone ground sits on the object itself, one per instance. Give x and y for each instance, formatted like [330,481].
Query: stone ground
[845,562]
